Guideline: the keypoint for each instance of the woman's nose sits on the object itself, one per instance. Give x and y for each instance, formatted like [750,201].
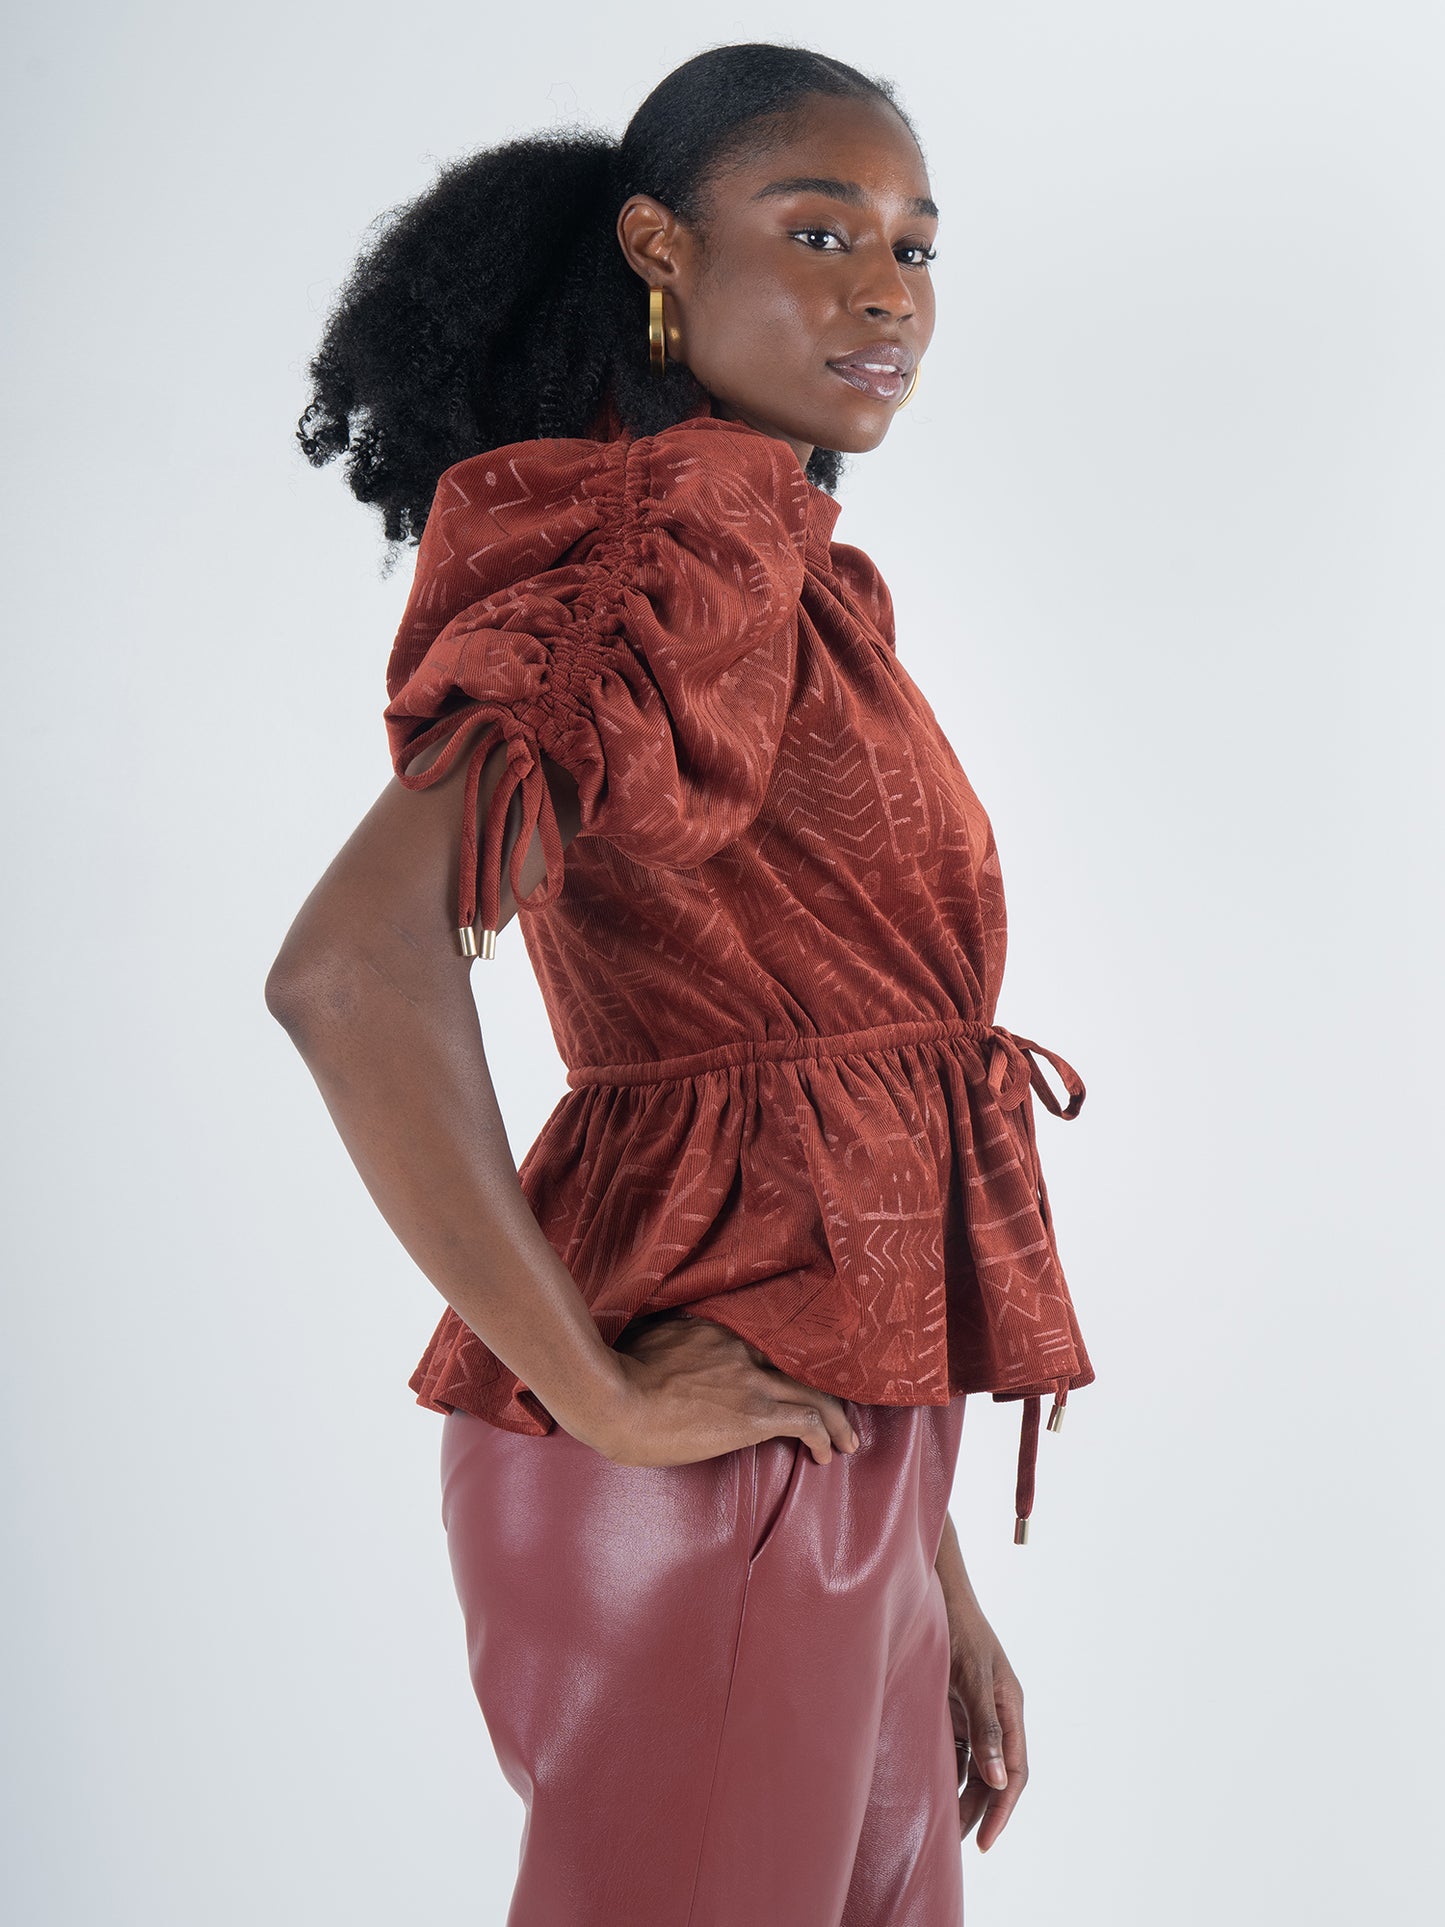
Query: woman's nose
[883,292]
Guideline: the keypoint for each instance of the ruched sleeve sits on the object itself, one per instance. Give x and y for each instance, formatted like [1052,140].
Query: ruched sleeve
[627,607]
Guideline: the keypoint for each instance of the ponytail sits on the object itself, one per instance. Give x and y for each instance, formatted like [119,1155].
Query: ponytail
[497,306]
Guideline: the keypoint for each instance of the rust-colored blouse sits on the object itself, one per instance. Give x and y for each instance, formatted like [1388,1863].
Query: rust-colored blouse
[772,957]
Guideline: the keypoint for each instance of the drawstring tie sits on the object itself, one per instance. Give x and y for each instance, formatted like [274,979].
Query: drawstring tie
[523,772]
[1012,1072]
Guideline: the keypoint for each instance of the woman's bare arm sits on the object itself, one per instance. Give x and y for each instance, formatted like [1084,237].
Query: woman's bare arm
[374,992]
[957,1586]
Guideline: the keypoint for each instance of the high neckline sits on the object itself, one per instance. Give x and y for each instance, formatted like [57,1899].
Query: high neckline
[823,508]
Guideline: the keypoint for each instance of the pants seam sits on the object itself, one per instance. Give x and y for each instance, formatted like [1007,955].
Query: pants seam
[732,1682]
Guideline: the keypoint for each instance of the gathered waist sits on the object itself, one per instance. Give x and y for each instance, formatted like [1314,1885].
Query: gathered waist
[1011,1069]
[753,1050]
[1010,1073]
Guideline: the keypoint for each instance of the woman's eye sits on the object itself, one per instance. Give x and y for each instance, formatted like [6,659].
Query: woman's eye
[912,247]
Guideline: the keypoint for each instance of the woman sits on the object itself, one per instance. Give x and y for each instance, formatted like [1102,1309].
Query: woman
[705,1355]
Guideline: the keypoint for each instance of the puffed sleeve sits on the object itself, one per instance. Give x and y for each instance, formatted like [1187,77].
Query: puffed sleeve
[627,607]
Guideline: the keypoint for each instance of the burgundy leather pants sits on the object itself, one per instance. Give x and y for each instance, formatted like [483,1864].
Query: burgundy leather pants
[720,1689]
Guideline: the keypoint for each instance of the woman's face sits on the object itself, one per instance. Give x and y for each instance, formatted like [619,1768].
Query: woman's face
[815,251]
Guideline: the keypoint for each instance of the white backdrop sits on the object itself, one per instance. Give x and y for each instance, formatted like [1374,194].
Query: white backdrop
[1163,528]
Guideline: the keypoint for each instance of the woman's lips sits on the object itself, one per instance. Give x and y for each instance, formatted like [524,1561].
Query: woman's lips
[883,384]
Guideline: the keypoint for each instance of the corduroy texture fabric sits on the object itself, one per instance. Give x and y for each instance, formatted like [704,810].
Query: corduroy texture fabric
[772,957]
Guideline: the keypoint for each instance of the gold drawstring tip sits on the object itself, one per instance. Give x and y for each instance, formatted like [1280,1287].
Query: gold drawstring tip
[1056,1418]
[467,935]
[1021,1532]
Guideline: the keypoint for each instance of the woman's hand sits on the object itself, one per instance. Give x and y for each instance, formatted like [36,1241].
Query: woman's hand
[986,1704]
[698,1390]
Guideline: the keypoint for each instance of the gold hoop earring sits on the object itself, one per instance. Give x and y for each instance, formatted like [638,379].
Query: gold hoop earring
[656,340]
[907,395]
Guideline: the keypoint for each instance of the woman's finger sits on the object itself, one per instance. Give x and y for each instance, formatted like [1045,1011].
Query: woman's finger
[839,1427]
[966,1699]
[808,1423]
[985,1731]
[972,1802]
[1006,1715]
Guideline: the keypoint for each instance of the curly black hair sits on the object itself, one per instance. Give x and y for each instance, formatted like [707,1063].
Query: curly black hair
[497,305]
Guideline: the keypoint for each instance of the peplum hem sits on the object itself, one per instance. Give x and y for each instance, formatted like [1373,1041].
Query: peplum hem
[866,1208]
